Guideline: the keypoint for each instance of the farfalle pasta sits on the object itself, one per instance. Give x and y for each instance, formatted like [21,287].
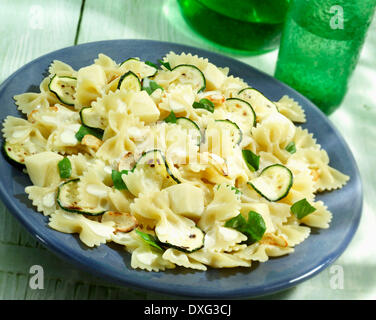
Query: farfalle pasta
[182,164]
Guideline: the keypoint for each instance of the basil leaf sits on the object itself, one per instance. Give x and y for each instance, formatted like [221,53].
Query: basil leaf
[237,222]
[118,180]
[254,228]
[302,208]
[204,104]
[65,168]
[252,160]
[84,130]
[165,64]
[149,239]
[150,86]
[291,147]
[151,64]
[171,118]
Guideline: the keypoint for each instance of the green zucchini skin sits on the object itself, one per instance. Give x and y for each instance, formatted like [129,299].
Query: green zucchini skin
[84,122]
[194,124]
[168,245]
[61,99]
[138,60]
[131,58]
[144,160]
[250,107]
[270,104]
[183,249]
[235,127]
[245,89]
[287,189]
[11,159]
[82,117]
[74,209]
[190,124]
[154,74]
[129,74]
[198,72]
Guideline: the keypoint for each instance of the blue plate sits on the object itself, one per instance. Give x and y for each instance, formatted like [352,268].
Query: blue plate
[113,263]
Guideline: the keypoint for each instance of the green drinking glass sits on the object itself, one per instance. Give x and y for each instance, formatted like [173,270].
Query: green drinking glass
[252,26]
[320,47]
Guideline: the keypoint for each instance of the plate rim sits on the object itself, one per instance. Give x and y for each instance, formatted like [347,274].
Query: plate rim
[243,292]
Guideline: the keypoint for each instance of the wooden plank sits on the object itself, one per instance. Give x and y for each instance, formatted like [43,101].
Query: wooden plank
[30,29]
[151,19]
[15,286]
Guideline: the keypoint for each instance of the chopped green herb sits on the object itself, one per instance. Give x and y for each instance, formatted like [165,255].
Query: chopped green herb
[291,147]
[204,104]
[118,180]
[165,64]
[171,118]
[302,208]
[254,228]
[151,64]
[65,168]
[84,130]
[149,239]
[252,160]
[237,191]
[150,86]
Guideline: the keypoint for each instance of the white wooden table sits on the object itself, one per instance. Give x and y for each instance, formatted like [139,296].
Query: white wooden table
[30,28]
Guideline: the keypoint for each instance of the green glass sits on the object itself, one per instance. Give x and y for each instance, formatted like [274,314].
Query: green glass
[320,47]
[252,26]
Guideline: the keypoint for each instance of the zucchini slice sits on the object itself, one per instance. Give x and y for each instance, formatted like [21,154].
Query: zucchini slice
[182,235]
[155,161]
[190,74]
[15,154]
[89,118]
[129,82]
[242,111]
[139,68]
[192,128]
[64,88]
[233,129]
[256,99]
[66,199]
[129,59]
[273,183]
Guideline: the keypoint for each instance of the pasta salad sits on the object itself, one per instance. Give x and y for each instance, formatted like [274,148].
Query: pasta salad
[180,162]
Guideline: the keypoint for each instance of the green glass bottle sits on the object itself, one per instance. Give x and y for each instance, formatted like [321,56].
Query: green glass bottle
[320,47]
[252,26]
